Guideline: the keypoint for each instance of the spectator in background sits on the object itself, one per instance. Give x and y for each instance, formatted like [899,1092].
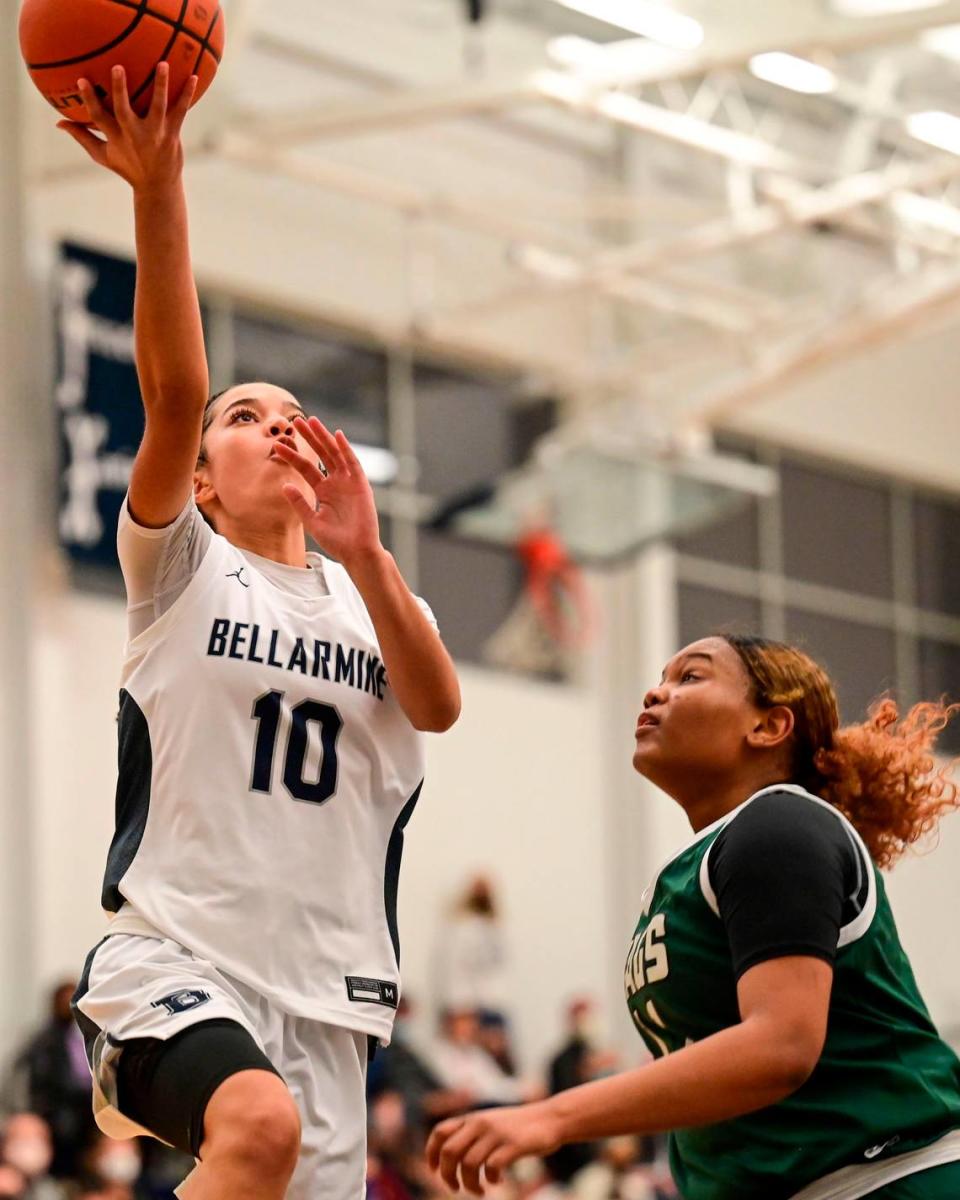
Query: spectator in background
[494,1036]
[625,1168]
[395,1165]
[27,1146]
[463,1065]
[577,1061]
[163,1169]
[114,1167]
[402,1070]
[13,1185]
[471,956]
[56,1081]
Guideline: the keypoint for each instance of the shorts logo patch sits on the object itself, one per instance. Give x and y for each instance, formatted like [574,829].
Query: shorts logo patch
[372,991]
[182,1001]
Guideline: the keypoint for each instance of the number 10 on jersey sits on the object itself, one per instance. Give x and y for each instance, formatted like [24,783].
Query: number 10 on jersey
[308,720]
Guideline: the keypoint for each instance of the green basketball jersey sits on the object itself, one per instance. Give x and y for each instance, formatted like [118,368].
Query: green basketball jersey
[885,1085]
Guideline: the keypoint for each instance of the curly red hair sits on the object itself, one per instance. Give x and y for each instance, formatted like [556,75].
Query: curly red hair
[880,774]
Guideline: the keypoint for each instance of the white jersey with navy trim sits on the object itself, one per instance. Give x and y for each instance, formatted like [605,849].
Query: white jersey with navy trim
[266,773]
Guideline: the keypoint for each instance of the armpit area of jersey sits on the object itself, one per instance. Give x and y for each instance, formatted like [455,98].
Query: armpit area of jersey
[784,872]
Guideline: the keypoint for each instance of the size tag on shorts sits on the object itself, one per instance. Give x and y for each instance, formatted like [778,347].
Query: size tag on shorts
[372,991]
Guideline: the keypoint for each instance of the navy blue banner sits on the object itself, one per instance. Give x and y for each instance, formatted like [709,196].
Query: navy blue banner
[98,399]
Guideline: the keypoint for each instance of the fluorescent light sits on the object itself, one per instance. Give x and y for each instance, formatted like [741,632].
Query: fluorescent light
[940,129]
[617,63]
[562,86]
[557,268]
[922,210]
[643,17]
[572,51]
[943,40]
[880,8]
[797,74]
[379,465]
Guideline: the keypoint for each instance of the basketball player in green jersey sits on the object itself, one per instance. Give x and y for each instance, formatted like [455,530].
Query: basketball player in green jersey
[793,1054]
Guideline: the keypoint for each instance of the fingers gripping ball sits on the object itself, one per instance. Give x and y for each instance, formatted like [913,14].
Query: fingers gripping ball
[66,40]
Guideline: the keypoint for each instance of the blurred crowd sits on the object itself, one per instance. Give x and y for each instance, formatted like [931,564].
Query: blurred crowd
[50,1148]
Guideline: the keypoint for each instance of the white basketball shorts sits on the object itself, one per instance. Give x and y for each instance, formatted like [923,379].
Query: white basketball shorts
[144,987]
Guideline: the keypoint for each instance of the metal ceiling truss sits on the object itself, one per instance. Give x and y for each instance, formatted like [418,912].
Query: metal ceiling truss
[698,286]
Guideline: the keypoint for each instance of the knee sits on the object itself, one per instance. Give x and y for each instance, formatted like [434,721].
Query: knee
[269,1137]
[256,1124]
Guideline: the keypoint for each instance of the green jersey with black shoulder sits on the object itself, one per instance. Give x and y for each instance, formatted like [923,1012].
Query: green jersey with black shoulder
[787,874]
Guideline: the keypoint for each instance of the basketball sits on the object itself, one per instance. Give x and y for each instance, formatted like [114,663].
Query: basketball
[66,40]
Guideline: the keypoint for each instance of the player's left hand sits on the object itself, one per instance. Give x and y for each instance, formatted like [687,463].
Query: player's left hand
[491,1140]
[344,520]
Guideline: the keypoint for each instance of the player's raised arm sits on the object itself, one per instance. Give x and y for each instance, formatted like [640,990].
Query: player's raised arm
[343,521]
[170,355]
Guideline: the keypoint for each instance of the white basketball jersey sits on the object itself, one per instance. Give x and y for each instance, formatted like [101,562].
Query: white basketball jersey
[266,773]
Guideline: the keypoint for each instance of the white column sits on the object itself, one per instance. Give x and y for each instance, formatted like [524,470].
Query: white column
[18,468]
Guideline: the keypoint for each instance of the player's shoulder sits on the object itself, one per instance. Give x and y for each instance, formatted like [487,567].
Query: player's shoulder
[187,524]
[787,820]
[785,806]
[340,585]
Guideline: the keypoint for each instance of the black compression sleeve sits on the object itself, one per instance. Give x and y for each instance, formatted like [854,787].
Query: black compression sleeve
[781,871]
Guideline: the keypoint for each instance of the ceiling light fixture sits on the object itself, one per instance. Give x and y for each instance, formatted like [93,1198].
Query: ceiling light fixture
[922,210]
[796,74]
[617,63]
[572,51]
[943,40]
[643,17]
[940,129]
[380,466]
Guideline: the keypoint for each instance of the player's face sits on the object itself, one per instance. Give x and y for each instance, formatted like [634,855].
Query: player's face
[242,468]
[695,723]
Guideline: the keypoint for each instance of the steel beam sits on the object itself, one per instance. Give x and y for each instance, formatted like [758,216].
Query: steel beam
[898,314]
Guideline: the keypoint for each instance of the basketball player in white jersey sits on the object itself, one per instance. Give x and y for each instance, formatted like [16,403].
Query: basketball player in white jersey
[270,751]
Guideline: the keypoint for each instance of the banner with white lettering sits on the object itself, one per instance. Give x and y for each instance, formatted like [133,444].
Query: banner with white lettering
[98,400]
[101,414]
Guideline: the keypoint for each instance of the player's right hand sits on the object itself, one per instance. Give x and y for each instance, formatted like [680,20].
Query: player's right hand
[477,1148]
[145,151]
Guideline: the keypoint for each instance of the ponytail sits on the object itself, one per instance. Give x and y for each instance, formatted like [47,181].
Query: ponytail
[881,774]
[883,777]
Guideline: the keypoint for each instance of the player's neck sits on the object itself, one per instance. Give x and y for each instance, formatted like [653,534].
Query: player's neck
[710,800]
[283,544]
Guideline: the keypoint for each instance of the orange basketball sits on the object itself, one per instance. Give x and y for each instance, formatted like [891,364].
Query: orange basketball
[66,40]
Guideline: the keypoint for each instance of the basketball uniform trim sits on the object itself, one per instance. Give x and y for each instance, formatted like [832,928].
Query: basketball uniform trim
[854,1182]
[133,800]
[695,840]
[705,885]
[90,1030]
[391,873]
[864,896]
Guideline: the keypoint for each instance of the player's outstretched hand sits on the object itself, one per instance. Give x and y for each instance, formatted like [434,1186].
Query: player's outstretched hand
[344,520]
[145,151]
[490,1141]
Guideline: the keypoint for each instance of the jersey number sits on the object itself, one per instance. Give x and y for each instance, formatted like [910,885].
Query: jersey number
[267,712]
